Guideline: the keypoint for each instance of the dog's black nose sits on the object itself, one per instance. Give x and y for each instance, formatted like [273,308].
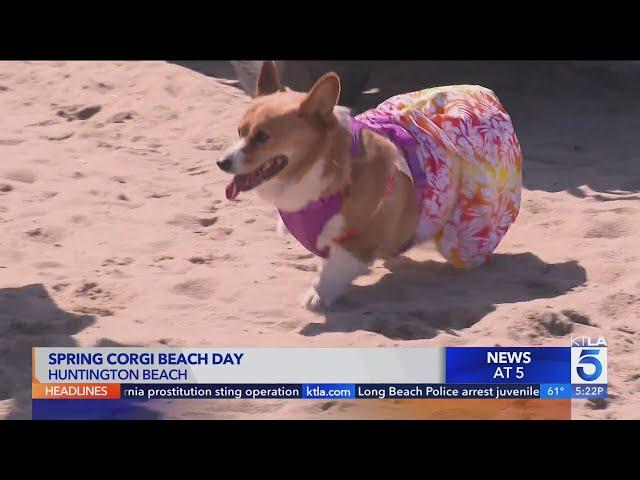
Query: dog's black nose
[224,164]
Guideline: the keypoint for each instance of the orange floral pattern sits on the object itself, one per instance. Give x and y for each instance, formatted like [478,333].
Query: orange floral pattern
[473,163]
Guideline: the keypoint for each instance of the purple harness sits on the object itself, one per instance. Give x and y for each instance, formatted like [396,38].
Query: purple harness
[307,224]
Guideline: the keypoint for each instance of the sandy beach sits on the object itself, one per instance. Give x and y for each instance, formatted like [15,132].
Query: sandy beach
[116,229]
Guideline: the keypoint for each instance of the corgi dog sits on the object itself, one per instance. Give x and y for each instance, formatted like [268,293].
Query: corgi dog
[441,164]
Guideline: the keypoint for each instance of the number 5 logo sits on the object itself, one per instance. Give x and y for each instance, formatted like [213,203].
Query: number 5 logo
[589,357]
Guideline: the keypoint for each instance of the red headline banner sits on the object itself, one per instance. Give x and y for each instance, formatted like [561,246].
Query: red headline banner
[80,391]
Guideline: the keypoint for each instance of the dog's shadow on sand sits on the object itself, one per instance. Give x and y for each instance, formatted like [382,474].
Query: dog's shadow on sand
[29,317]
[417,300]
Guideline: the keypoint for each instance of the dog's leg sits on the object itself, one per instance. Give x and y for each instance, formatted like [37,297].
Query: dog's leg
[339,270]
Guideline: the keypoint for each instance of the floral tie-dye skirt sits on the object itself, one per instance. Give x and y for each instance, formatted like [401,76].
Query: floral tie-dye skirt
[471,158]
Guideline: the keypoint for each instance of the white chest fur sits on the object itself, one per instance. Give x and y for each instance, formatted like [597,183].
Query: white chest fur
[292,196]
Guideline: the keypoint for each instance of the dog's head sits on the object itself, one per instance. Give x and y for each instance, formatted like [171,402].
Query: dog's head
[281,133]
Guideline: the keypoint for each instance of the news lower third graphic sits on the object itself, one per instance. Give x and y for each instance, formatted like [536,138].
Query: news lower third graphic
[96,382]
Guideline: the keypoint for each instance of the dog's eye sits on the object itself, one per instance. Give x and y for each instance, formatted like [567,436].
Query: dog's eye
[260,137]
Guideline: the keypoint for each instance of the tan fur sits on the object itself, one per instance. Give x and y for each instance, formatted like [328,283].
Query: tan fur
[304,127]
[382,224]
[322,98]
[304,139]
[268,81]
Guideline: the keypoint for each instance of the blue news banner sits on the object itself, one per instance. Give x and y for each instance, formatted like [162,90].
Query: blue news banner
[579,371]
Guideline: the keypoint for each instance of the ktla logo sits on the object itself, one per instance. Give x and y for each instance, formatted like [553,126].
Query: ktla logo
[589,360]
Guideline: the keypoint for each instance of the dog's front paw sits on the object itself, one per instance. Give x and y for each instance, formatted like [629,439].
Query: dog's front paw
[311,300]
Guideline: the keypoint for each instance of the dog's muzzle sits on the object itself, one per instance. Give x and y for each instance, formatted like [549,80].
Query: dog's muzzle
[225,164]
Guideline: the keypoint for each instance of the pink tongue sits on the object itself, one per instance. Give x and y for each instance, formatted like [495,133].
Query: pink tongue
[233,189]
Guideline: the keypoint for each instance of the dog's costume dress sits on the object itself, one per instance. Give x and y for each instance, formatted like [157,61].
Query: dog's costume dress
[464,160]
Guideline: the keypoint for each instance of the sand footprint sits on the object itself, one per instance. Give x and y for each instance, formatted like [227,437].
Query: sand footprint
[623,210]
[552,223]
[618,304]
[538,324]
[102,312]
[11,141]
[214,207]
[577,317]
[535,206]
[78,112]
[617,210]
[22,175]
[544,324]
[92,291]
[197,170]
[59,137]
[122,117]
[118,261]
[198,260]
[58,287]
[287,326]
[45,234]
[220,233]
[298,266]
[101,87]
[297,256]
[211,144]
[190,222]
[207,222]
[200,289]
[614,229]
[47,264]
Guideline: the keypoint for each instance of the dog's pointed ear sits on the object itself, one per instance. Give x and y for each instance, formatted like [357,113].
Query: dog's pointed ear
[268,81]
[323,97]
